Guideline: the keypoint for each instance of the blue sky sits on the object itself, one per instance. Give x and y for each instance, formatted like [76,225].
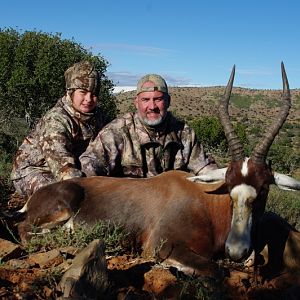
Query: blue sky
[190,43]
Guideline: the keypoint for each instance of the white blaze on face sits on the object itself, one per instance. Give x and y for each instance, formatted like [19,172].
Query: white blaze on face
[239,239]
[244,169]
[242,195]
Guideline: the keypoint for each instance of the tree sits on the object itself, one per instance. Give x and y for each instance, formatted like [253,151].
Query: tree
[32,66]
[210,133]
[283,157]
[240,130]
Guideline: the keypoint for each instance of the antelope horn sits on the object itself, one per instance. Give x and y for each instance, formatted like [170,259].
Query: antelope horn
[235,146]
[260,152]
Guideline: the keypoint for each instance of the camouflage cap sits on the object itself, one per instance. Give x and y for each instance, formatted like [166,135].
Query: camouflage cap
[83,75]
[160,84]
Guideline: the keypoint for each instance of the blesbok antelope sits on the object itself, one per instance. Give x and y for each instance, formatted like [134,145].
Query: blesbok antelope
[195,220]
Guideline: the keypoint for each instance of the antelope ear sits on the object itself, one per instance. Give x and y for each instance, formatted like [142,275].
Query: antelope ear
[285,182]
[212,176]
[219,189]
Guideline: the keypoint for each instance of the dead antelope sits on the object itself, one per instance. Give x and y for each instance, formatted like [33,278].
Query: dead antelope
[196,220]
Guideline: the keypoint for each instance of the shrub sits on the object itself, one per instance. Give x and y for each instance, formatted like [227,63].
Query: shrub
[283,158]
[210,133]
[241,101]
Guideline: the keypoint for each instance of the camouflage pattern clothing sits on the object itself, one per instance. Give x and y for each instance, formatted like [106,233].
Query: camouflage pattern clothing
[51,151]
[126,147]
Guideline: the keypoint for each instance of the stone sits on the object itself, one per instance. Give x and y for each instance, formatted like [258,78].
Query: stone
[158,280]
[9,250]
[46,259]
[87,277]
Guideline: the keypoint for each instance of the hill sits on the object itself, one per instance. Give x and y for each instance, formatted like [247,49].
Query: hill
[250,104]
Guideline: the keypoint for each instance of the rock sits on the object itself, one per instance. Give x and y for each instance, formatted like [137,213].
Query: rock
[159,282]
[87,277]
[69,251]
[65,265]
[9,250]
[46,259]
[19,264]
[19,276]
[47,292]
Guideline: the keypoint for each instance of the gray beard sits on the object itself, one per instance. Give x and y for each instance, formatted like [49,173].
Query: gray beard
[154,122]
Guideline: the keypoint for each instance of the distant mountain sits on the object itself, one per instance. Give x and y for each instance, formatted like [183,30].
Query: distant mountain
[246,104]
[122,89]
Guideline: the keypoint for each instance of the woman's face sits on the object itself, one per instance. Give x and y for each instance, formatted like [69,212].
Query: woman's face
[84,101]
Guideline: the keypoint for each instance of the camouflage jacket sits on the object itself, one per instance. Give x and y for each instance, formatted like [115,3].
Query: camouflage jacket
[126,147]
[57,141]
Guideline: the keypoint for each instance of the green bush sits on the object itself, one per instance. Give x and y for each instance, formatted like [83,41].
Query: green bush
[210,133]
[282,156]
[8,144]
[255,130]
[297,101]
[240,130]
[241,101]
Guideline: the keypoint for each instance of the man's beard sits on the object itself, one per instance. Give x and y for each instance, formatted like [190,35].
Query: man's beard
[153,122]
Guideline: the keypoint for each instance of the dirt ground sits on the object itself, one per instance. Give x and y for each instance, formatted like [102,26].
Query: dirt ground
[133,278]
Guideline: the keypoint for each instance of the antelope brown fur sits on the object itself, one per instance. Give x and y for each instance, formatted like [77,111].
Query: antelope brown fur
[169,212]
[176,215]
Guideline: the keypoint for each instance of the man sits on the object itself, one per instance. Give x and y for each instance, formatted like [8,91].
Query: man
[51,151]
[147,142]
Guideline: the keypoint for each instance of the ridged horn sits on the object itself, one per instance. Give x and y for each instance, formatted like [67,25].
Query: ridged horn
[235,146]
[261,150]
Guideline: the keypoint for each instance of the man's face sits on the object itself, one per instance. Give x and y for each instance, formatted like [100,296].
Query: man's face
[151,106]
[84,101]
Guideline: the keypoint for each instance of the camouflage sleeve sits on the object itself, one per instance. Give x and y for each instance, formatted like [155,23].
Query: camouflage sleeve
[103,154]
[56,143]
[199,160]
